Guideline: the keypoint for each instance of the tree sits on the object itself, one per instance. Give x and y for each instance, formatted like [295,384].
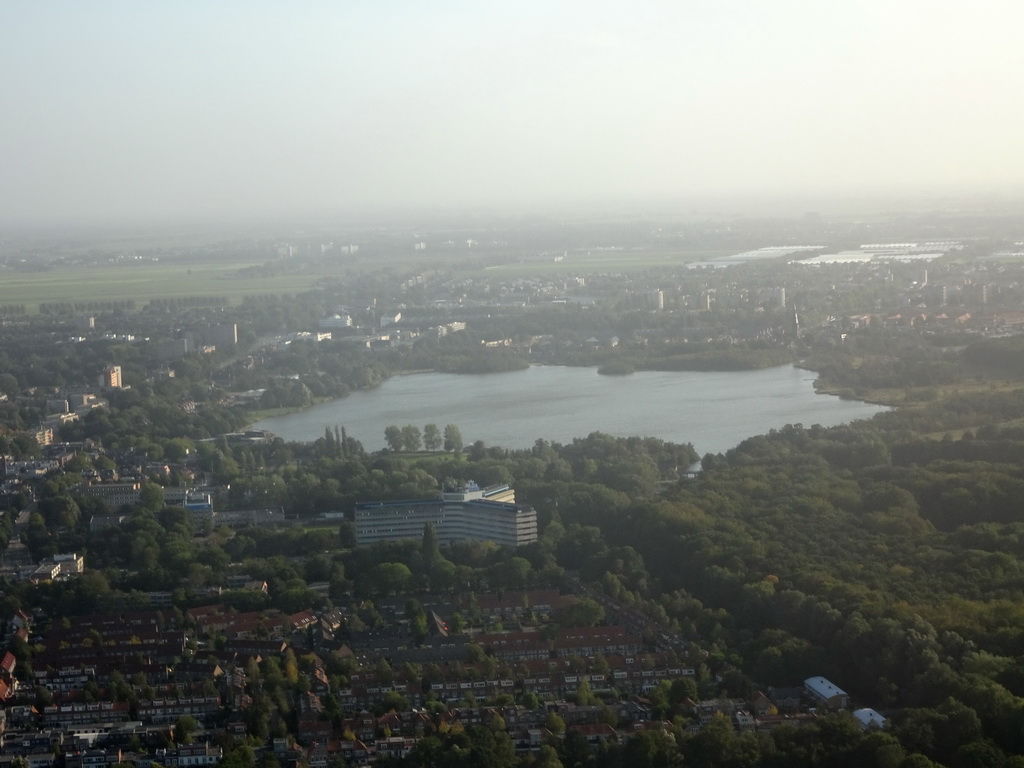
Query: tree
[184,728]
[585,613]
[390,578]
[432,437]
[554,723]
[512,574]
[457,624]
[393,437]
[61,511]
[648,749]
[429,546]
[151,497]
[452,438]
[490,749]
[584,695]
[547,757]
[411,439]
[573,750]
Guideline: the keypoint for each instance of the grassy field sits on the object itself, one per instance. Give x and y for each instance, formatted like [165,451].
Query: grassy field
[143,281]
[597,262]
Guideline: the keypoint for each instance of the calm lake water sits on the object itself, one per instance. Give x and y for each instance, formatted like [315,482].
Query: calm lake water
[714,411]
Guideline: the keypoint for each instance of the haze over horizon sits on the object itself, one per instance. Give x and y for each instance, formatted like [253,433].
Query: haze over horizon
[118,111]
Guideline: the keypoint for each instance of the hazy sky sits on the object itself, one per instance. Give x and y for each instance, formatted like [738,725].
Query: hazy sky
[120,110]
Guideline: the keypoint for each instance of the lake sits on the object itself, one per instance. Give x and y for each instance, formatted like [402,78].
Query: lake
[712,410]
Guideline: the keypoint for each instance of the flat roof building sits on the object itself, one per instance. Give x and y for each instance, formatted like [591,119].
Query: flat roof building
[487,514]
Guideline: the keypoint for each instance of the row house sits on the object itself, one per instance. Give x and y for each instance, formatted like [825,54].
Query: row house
[64,679]
[591,641]
[21,620]
[596,734]
[574,641]
[362,725]
[217,619]
[72,675]
[770,722]
[353,752]
[121,619]
[202,708]
[8,663]
[102,522]
[83,738]
[318,754]
[575,714]
[22,716]
[299,622]
[310,702]
[190,756]
[634,679]
[209,618]
[254,629]
[312,729]
[34,759]
[67,715]
[138,635]
[530,740]
[414,722]
[470,716]
[458,689]
[346,752]
[786,700]
[92,758]
[241,648]
[542,603]
[515,645]
[122,656]
[165,652]
[29,742]
[196,671]
[393,747]
[708,710]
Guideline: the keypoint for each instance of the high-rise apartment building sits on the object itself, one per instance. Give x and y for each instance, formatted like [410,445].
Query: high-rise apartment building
[111,377]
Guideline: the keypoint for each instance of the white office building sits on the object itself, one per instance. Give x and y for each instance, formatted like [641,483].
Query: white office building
[487,514]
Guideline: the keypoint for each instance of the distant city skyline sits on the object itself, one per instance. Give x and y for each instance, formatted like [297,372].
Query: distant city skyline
[126,112]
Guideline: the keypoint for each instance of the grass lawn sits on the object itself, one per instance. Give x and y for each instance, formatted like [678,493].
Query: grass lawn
[144,281]
[141,283]
[595,262]
[227,278]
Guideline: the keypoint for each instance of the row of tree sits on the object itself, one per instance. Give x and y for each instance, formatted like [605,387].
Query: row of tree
[410,438]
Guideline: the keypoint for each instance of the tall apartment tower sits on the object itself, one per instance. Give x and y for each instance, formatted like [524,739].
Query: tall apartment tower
[111,377]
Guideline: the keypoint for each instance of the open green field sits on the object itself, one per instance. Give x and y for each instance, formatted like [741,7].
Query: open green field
[596,262]
[144,281]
